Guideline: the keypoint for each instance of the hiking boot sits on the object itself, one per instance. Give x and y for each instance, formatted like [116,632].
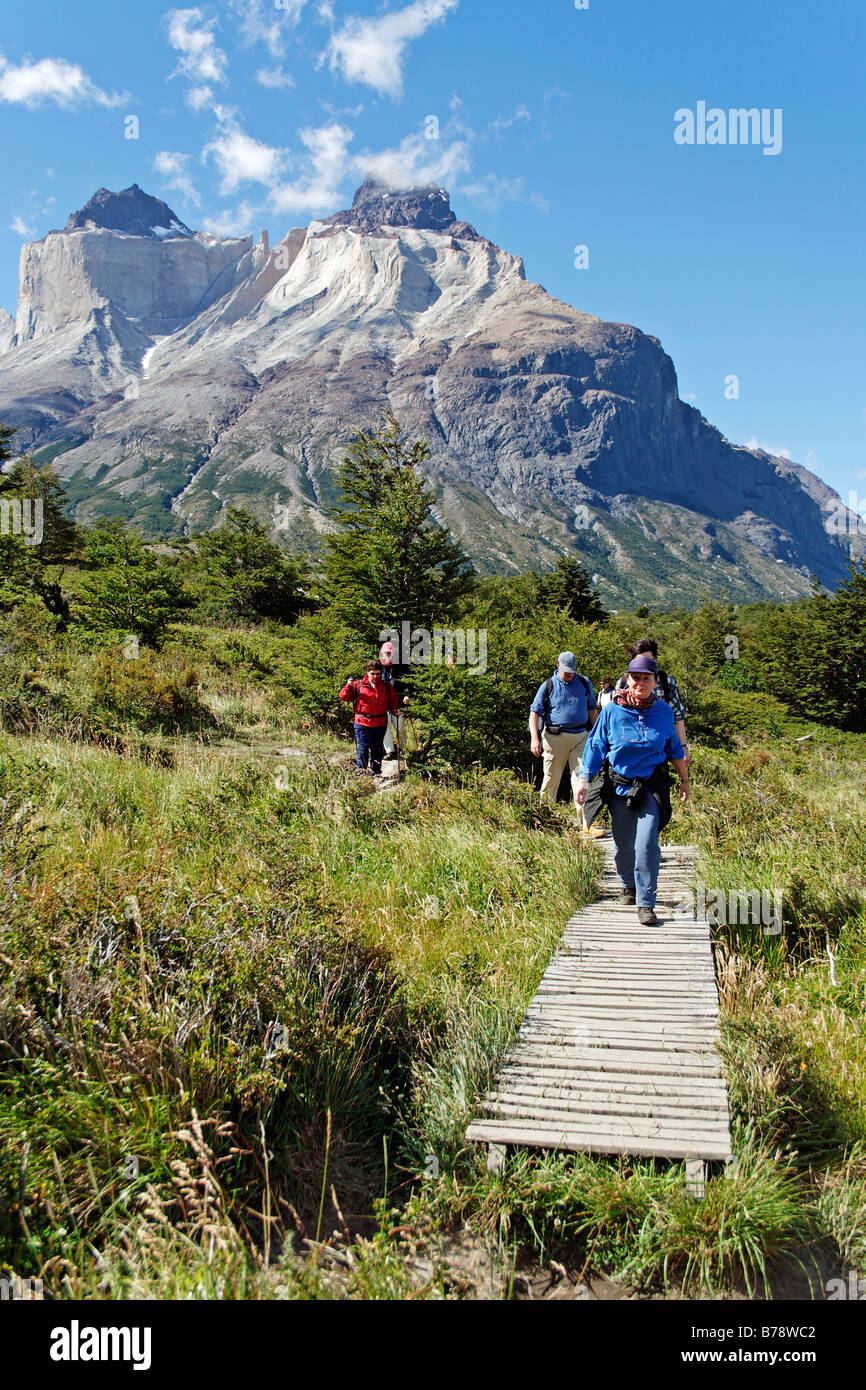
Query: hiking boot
[627,897]
[647,917]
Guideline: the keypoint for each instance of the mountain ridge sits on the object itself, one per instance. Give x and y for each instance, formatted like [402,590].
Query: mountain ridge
[169,376]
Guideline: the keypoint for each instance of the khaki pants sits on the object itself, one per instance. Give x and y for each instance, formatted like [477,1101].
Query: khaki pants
[395,721]
[560,749]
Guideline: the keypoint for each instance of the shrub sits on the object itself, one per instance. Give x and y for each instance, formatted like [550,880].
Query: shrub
[139,692]
[716,715]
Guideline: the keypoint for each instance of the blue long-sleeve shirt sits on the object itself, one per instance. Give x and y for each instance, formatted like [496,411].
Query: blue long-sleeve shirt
[634,741]
[569,705]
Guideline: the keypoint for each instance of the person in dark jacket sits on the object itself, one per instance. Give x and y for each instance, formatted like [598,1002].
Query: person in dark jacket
[372,701]
[635,734]
[393,675]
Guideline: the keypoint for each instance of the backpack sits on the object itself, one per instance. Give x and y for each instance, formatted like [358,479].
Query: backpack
[548,690]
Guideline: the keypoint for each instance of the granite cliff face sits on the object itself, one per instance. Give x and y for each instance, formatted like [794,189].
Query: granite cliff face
[171,373]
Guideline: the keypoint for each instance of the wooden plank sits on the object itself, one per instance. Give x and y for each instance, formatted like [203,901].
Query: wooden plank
[642,997]
[586,1081]
[602,999]
[538,1105]
[648,1039]
[617,1102]
[632,1124]
[632,1011]
[637,1058]
[519,1132]
[571,1019]
[666,968]
[623,1039]
[629,970]
[613,1059]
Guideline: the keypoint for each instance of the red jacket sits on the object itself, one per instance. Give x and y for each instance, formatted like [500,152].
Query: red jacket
[372,702]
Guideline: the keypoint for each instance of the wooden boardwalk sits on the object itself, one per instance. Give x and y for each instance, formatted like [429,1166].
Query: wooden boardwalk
[617,1053]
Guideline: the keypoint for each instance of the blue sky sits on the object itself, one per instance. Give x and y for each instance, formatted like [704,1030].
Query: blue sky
[555,128]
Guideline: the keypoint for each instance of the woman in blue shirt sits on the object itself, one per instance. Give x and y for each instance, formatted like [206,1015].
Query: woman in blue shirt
[635,733]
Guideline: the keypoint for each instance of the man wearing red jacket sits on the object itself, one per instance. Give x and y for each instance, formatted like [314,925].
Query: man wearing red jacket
[373,701]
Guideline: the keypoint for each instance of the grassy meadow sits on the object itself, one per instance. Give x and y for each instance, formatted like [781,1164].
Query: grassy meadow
[248,1003]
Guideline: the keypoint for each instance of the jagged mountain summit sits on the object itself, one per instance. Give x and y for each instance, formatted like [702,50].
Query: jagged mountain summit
[171,373]
[131,211]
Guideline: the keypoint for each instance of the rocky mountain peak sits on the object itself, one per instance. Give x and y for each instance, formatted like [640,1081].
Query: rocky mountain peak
[131,211]
[161,366]
[375,205]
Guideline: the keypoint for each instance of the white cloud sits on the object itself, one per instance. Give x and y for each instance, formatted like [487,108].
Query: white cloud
[172,165]
[767,448]
[491,191]
[190,32]
[274,77]
[372,50]
[237,223]
[20,227]
[416,161]
[51,79]
[241,159]
[265,21]
[501,123]
[353,112]
[198,97]
[328,162]
[224,114]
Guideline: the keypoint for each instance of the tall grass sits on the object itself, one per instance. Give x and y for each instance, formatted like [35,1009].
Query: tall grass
[247,1003]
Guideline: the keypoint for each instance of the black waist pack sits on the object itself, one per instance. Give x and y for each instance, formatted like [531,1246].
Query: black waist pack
[658,784]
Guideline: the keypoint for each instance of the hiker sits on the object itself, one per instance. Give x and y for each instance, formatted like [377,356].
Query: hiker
[634,738]
[565,704]
[391,676]
[605,693]
[666,689]
[372,700]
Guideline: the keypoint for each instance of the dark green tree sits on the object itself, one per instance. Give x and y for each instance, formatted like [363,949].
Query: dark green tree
[60,537]
[568,586]
[813,654]
[6,433]
[390,561]
[128,591]
[247,574]
[24,548]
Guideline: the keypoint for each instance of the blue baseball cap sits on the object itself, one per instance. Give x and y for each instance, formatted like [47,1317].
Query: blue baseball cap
[567,661]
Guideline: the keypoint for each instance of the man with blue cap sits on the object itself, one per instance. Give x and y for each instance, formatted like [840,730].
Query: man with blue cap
[565,708]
